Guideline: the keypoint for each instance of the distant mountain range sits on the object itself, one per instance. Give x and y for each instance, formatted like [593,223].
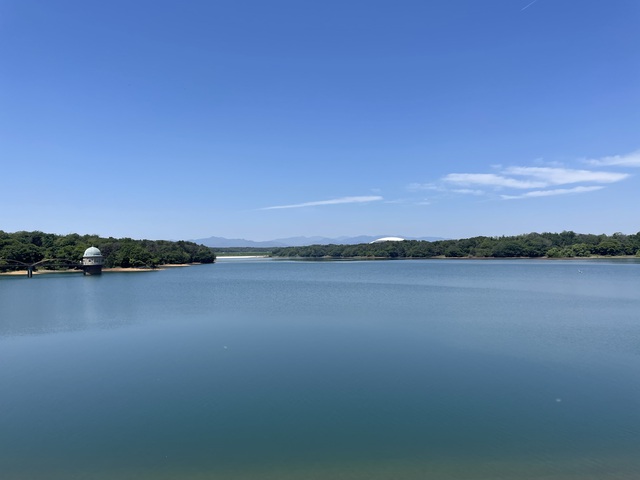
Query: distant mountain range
[221,242]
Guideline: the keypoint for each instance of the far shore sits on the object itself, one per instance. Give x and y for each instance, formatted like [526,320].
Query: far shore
[442,257]
[228,257]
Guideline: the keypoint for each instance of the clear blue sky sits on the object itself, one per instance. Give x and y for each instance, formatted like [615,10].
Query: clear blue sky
[264,119]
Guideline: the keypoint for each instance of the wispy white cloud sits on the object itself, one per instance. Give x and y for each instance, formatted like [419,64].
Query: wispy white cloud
[409,201]
[538,177]
[469,191]
[541,180]
[629,160]
[491,180]
[334,201]
[413,187]
[564,176]
[550,193]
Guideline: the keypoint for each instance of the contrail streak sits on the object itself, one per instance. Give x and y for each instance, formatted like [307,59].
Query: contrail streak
[527,6]
[335,201]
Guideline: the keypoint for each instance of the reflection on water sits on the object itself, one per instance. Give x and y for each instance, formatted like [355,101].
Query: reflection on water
[354,370]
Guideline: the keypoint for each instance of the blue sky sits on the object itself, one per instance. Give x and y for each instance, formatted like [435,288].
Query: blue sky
[266,119]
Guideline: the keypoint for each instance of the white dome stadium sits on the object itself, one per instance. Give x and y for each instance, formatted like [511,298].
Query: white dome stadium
[388,239]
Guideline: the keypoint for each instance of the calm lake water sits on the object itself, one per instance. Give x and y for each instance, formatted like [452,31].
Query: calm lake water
[261,369]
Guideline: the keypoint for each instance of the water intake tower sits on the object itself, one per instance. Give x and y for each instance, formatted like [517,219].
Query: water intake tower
[92,261]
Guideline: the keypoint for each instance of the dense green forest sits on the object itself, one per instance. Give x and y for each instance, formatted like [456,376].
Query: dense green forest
[32,247]
[532,245]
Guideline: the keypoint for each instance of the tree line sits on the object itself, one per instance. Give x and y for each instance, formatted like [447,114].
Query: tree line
[566,244]
[32,247]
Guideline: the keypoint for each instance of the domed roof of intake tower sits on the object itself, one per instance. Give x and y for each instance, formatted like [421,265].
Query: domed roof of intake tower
[92,252]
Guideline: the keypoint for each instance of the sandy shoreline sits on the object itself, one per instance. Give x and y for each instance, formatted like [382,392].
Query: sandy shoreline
[239,257]
[104,270]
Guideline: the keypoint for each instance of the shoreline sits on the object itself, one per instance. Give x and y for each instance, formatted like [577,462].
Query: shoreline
[248,257]
[442,257]
[17,273]
[104,270]
[239,257]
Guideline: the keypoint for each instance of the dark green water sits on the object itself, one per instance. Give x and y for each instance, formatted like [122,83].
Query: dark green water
[324,370]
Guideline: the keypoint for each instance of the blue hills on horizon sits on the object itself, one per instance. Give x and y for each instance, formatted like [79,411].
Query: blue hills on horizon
[222,242]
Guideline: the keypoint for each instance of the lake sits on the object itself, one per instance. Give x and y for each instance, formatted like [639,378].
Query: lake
[273,369]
